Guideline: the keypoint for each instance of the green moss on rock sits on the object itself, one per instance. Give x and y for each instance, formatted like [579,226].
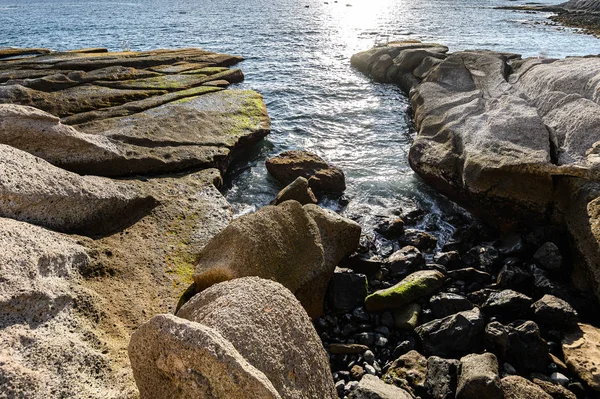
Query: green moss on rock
[413,287]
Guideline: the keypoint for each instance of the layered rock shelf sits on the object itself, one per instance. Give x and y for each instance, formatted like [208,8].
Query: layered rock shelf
[109,176]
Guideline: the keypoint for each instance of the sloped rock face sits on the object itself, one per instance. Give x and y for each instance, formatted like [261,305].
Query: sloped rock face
[514,140]
[68,304]
[582,5]
[296,246]
[268,327]
[32,190]
[177,358]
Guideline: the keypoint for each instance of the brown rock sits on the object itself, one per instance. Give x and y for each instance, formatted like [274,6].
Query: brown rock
[516,387]
[581,349]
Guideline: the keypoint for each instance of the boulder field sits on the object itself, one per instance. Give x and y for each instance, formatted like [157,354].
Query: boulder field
[109,176]
[514,140]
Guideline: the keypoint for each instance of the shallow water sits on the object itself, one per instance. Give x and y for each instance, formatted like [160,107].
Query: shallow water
[298,58]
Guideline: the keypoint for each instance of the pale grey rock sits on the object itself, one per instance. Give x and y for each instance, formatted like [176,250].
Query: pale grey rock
[177,358]
[268,327]
[371,387]
[478,377]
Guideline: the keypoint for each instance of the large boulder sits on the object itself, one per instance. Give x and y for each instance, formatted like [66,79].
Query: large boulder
[35,191]
[176,358]
[297,246]
[322,177]
[268,327]
[581,349]
[516,387]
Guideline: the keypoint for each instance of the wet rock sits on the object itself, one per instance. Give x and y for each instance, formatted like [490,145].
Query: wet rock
[371,387]
[470,274]
[483,257]
[344,349]
[478,377]
[445,304]
[516,387]
[441,377]
[170,356]
[366,338]
[419,239]
[582,354]
[527,351]
[391,228]
[298,190]
[406,260]
[452,335]
[272,243]
[408,372]
[451,259]
[496,339]
[411,288]
[346,291]
[514,277]
[548,256]
[65,201]
[362,263]
[407,317]
[554,312]
[507,305]
[322,177]
[512,244]
[251,313]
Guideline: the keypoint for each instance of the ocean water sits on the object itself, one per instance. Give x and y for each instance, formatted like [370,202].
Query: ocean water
[297,55]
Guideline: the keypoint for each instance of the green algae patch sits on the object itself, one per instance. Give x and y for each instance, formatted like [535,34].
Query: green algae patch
[206,71]
[164,82]
[413,287]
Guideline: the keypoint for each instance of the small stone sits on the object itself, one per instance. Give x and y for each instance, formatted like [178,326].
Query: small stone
[451,260]
[404,261]
[509,369]
[351,386]
[407,317]
[420,239]
[356,372]
[366,338]
[340,386]
[344,349]
[471,275]
[369,356]
[482,257]
[381,341]
[387,319]
[370,369]
[548,256]
[297,190]
[559,378]
[361,315]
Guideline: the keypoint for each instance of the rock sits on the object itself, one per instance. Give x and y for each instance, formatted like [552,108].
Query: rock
[65,201]
[322,177]
[482,257]
[445,304]
[516,387]
[411,288]
[470,274]
[273,242]
[441,377]
[478,377]
[514,277]
[297,190]
[559,378]
[507,304]
[362,263]
[496,339]
[419,239]
[548,256]
[527,351]
[357,372]
[252,314]
[451,259]
[582,354]
[171,358]
[346,291]
[392,228]
[369,357]
[407,317]
[452,335]
[406,260]
[347,348]
[408,372]
[554,312]
[553,389]
[371,387]
[366,338]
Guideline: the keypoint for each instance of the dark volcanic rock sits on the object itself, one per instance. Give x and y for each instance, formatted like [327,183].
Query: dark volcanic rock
[507,304]
[405,261]
[452,335]
[548,256]
[554,313]
[527,351]
[346,291]
[441,377]
[445,304]
[419,239]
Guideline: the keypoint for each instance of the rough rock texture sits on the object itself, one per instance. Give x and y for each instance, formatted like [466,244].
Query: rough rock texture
[371,387]
[441,377]
[92,293]
[453,335]
[322,177]
[478,377]
[516,387]
[177,358]
[581,349]
[33,190]
[514,140]
[554,312]
[411,288]
[103,94]
[298,190]
[268,327]
[582,5]
[297,246]
[408,372]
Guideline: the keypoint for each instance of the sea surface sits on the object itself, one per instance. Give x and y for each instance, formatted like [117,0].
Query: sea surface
[298,56]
